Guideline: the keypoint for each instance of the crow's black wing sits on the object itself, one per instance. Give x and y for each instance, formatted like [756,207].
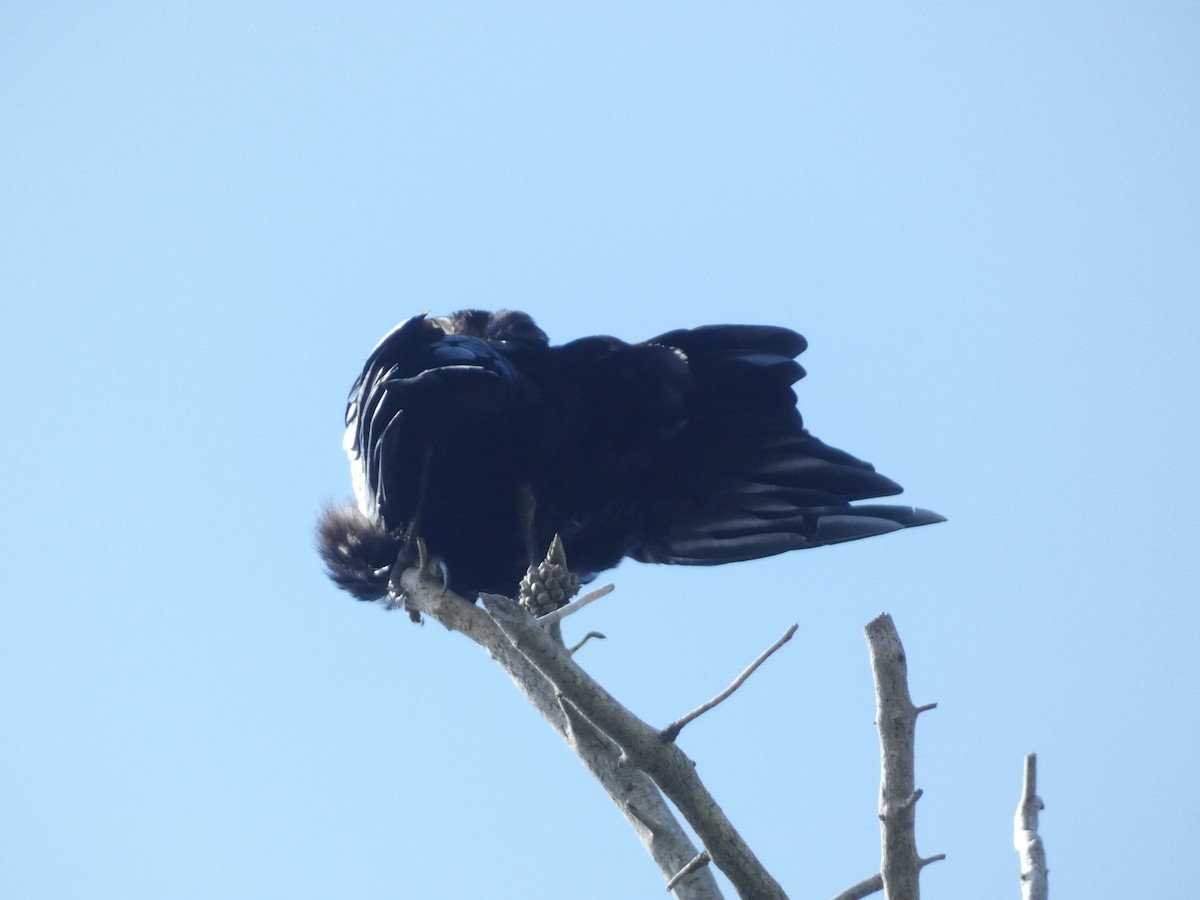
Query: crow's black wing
[610,408]
[744,479]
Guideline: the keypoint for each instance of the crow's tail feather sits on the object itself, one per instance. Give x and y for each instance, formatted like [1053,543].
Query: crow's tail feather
[358,551]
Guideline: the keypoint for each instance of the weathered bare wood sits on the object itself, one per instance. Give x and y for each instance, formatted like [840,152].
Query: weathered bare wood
[1027,841]
[634,793]
[896,718]
[644,747]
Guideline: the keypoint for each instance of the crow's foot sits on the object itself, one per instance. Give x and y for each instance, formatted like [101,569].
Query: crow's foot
[414,554]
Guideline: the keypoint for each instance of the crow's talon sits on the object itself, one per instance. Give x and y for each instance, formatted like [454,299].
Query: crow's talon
[412,555]
[436,567]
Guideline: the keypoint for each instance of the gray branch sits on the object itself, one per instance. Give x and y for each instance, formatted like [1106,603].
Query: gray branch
[644,748]
[896,718]
[671,732]
[864,888]
[869,886]
[1027,841]
[633,792]
[636,764]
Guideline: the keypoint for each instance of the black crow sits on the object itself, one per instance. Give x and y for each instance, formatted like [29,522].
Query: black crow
[473,433]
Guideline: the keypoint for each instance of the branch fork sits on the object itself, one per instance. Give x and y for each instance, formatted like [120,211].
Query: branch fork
[637,764]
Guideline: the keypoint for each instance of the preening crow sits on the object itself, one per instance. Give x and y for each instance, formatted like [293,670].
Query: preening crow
[472,432]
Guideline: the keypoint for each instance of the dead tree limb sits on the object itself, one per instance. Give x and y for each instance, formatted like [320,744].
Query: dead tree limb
[644,747]
[632,790]
[636,763]
[1027,841]
[896,718]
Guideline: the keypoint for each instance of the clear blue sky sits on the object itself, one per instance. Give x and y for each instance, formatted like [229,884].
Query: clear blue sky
[985,219]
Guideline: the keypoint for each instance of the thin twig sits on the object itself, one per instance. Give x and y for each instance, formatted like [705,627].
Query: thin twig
[869,886]
[700,859]
[583,640]
[672,731]
[863,889]
[574,606]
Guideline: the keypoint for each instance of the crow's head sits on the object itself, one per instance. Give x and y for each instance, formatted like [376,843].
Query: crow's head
[507,325]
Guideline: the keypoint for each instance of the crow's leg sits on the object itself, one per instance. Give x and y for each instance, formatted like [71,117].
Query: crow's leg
[412,549]
[527,513]
[409,552]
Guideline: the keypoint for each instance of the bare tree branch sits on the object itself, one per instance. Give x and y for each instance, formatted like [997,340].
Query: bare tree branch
[574,606]
[634,762]
[672,731]
[1027,841]
[862,889]
[632,790]
[896,718]
[644,747]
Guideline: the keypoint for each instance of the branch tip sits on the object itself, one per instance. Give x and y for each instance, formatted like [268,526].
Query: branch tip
[895,718]
[583,640]
[1026,840]
[864,888]
[671,732]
